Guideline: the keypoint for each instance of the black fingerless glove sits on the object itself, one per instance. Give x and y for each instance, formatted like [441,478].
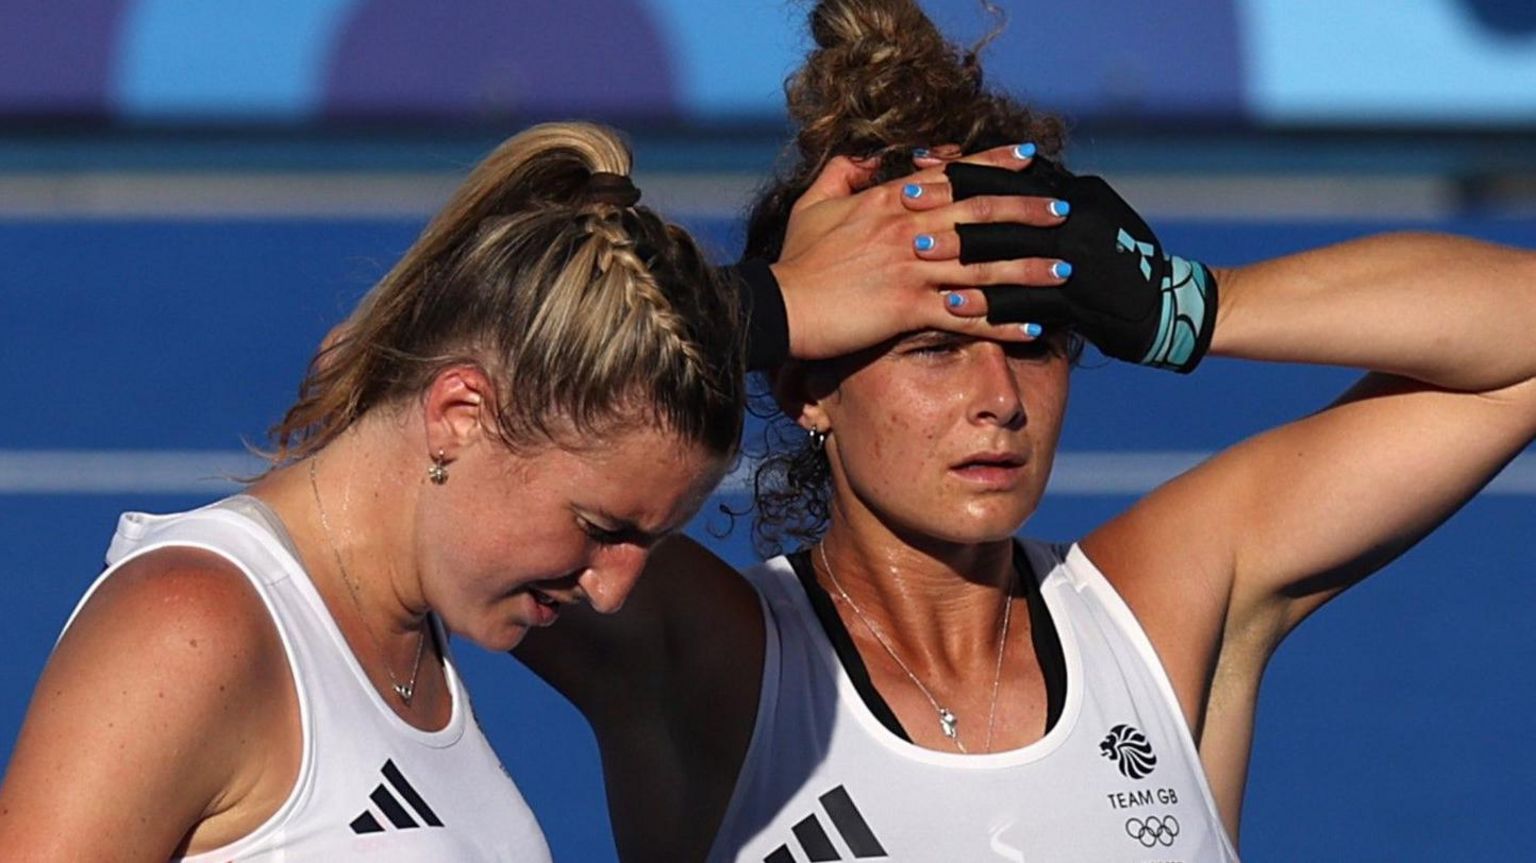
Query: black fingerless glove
[1126,294]
[763,317]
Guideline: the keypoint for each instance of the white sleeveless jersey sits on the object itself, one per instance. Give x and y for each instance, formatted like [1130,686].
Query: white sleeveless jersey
[370,786]
[1117,779]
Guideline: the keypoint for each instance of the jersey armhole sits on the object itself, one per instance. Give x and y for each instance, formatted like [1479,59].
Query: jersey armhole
[304,776]
[1087,577]
[762,724]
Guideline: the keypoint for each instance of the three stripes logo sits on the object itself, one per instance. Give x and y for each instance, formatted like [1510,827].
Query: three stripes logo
[846,821]
[390,799]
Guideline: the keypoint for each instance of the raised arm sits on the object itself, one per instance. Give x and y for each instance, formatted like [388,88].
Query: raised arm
[1450,311]
[1221,563]
[1292,516]
[153,718]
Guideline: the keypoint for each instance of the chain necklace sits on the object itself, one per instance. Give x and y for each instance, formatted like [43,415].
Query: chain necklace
[405,690]
[948,722]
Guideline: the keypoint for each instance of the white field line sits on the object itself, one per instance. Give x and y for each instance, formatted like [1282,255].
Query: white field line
[417,194]
[211,473]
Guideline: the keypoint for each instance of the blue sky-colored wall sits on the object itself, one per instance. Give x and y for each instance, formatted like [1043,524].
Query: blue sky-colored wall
[285,61]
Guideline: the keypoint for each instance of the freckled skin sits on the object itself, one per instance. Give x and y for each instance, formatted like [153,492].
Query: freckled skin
[901,419]
[510,522]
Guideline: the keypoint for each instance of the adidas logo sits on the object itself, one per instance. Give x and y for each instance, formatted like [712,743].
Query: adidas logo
[393,807]
[846,821]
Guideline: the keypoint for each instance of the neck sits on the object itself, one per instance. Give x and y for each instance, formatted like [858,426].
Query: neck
[352,523]
[939,604]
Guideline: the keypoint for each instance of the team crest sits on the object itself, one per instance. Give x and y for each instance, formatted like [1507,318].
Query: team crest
[1130,751]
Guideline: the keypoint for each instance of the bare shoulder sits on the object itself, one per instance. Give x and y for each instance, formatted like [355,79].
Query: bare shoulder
[165,686]
[189,615]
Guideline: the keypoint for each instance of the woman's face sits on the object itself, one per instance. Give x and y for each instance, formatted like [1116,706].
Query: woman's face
[946,437]
[510,538]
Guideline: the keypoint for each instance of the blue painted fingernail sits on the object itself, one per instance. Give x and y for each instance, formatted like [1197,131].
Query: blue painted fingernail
[954,301]
[1060,208]
[1061,270]
[1024,151]
[1032,330]
[920,153]
[923,242]
[912,190]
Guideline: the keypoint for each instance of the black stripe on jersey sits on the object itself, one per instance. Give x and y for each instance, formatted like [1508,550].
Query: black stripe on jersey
[392,808]
[780,855]
[1042,632]
[814,840]
[855,830]
[397,779]
[366,823]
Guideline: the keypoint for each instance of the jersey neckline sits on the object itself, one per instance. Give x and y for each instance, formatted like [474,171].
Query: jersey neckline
[269,526]
[875,715]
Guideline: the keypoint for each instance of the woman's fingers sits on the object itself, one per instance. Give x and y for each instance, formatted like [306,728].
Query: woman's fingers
[1039,272]
[965,302]
[941,214]
[930,188]
[945,314]
[1012,156]
[840,178]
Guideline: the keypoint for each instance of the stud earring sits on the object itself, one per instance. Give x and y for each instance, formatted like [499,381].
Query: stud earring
[818,439]
[438,472]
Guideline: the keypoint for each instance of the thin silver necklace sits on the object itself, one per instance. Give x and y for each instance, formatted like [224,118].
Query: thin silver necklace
[405,690]
[948,722]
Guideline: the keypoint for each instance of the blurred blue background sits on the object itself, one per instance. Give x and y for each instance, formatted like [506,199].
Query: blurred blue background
[191,193]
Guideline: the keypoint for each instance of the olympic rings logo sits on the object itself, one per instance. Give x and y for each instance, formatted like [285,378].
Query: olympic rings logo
[1152,830]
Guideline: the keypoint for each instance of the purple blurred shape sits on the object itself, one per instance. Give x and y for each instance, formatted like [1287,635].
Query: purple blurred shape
[489,59]
[56,56]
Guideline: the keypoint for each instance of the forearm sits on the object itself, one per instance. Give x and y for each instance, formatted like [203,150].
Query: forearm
[1449,311]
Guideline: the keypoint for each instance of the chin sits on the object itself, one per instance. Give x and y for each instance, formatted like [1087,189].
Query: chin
[994,527]
[498,636]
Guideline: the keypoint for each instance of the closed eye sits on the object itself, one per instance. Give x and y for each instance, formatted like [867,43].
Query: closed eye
[932,344]
[602,536]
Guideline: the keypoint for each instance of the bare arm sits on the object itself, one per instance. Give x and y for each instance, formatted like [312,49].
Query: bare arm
[1221,563]
[1279,523]
[162,690]
[1448,311]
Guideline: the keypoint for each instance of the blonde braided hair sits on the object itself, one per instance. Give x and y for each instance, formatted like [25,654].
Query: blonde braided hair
[544,287]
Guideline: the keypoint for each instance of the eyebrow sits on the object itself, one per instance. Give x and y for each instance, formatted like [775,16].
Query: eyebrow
[932,337]
[625,529]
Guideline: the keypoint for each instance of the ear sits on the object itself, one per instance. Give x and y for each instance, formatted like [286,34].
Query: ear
[456,408]
[802,392]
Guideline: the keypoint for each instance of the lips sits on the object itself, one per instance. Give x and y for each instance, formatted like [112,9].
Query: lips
[992,460]
[546,607]
[998,470]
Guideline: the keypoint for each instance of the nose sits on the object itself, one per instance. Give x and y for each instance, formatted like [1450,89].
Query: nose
[996,397]
[608,581]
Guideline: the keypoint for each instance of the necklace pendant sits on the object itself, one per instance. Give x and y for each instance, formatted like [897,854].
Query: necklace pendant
[405,691]
[947,723]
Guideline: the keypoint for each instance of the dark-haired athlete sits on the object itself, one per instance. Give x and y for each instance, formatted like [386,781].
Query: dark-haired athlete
[917,685]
